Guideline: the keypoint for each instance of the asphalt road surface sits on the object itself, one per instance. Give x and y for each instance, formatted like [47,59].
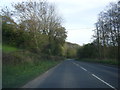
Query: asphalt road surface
[75,74]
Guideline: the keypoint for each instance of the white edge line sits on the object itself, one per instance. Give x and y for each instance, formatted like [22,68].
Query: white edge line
[104,82]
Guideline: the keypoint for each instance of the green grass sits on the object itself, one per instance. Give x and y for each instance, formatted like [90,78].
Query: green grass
[17,75]
[20,67]
[0,46]
[7,48]
[104,61]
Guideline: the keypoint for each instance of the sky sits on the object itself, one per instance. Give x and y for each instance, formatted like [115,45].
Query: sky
[78,16]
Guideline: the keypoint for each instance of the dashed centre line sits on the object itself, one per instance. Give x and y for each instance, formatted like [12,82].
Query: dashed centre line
[80,66]
[83,68]
[104,82]
[95,76]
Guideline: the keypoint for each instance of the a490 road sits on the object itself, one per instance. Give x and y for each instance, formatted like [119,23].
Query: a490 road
[76,74]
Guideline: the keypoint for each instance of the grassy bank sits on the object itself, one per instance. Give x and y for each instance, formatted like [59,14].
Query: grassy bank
[21,66]
[7,48]
[103,61]
[18,75]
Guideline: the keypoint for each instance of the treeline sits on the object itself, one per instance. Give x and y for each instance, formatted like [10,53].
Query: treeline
[106,44]
[70,50]
[87,51]
[34,26]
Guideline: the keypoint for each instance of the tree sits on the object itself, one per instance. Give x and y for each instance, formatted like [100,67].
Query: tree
[107,31]
[41,24]
[87,51]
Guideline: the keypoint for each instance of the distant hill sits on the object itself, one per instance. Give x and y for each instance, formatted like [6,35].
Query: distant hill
[70,49]
[72,45]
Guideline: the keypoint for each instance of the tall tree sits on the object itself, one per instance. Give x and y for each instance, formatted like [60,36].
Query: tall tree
[107,31]
[41,22]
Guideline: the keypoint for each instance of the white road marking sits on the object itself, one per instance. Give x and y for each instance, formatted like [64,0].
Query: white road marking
[74,63]
[104,82]
[96,76]
[80,66]
[83,68]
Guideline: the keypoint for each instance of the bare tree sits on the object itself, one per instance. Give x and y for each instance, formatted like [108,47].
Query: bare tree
[108,29]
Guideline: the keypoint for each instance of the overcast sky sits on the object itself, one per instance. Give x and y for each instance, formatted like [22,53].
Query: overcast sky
[79,17]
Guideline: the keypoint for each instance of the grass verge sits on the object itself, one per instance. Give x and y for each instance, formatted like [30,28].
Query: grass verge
[8,49]
[0,46]
[103,61]
[17,75]
[21,66]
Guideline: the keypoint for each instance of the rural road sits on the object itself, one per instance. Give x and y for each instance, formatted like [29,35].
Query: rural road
[75,74]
